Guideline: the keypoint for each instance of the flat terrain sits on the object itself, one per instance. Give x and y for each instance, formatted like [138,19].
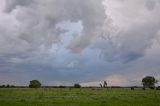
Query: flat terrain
[78,97]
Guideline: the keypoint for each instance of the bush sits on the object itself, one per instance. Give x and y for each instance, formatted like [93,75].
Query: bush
[12,86]
[61,86]
[158,88]
[2,86]
[77,86]
[152,88]
[132,88]
[143,88]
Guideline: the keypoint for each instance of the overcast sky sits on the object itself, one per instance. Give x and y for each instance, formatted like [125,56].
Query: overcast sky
[62,42]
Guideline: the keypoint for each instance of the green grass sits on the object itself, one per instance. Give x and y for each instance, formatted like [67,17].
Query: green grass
[78,97]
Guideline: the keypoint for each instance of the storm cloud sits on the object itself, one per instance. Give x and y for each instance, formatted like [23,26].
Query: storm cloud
[34,22]
[68,41]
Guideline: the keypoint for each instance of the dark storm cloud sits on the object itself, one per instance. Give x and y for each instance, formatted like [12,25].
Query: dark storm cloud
[36,42]
[130,45]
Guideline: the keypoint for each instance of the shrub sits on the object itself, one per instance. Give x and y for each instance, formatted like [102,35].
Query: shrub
[77,86]
[61,86]
[12,86]
[143,88]
[158,88]
[152,88]
[132,88]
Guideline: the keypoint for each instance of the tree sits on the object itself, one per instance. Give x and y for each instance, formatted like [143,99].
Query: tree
[35,84]
[149,81]
[105,84]
[8,86]
[77,86]
[101,85]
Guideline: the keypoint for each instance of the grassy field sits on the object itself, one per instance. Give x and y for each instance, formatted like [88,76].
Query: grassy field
[78,97]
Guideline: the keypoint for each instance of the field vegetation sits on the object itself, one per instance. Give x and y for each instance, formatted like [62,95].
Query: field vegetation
[79,97]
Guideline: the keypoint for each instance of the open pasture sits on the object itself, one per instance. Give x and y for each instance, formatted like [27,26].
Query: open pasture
[79,97]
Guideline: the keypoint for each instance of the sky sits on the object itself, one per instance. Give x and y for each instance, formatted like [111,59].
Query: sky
[62,42]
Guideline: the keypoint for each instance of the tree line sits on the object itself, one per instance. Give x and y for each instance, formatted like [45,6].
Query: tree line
[147,82]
